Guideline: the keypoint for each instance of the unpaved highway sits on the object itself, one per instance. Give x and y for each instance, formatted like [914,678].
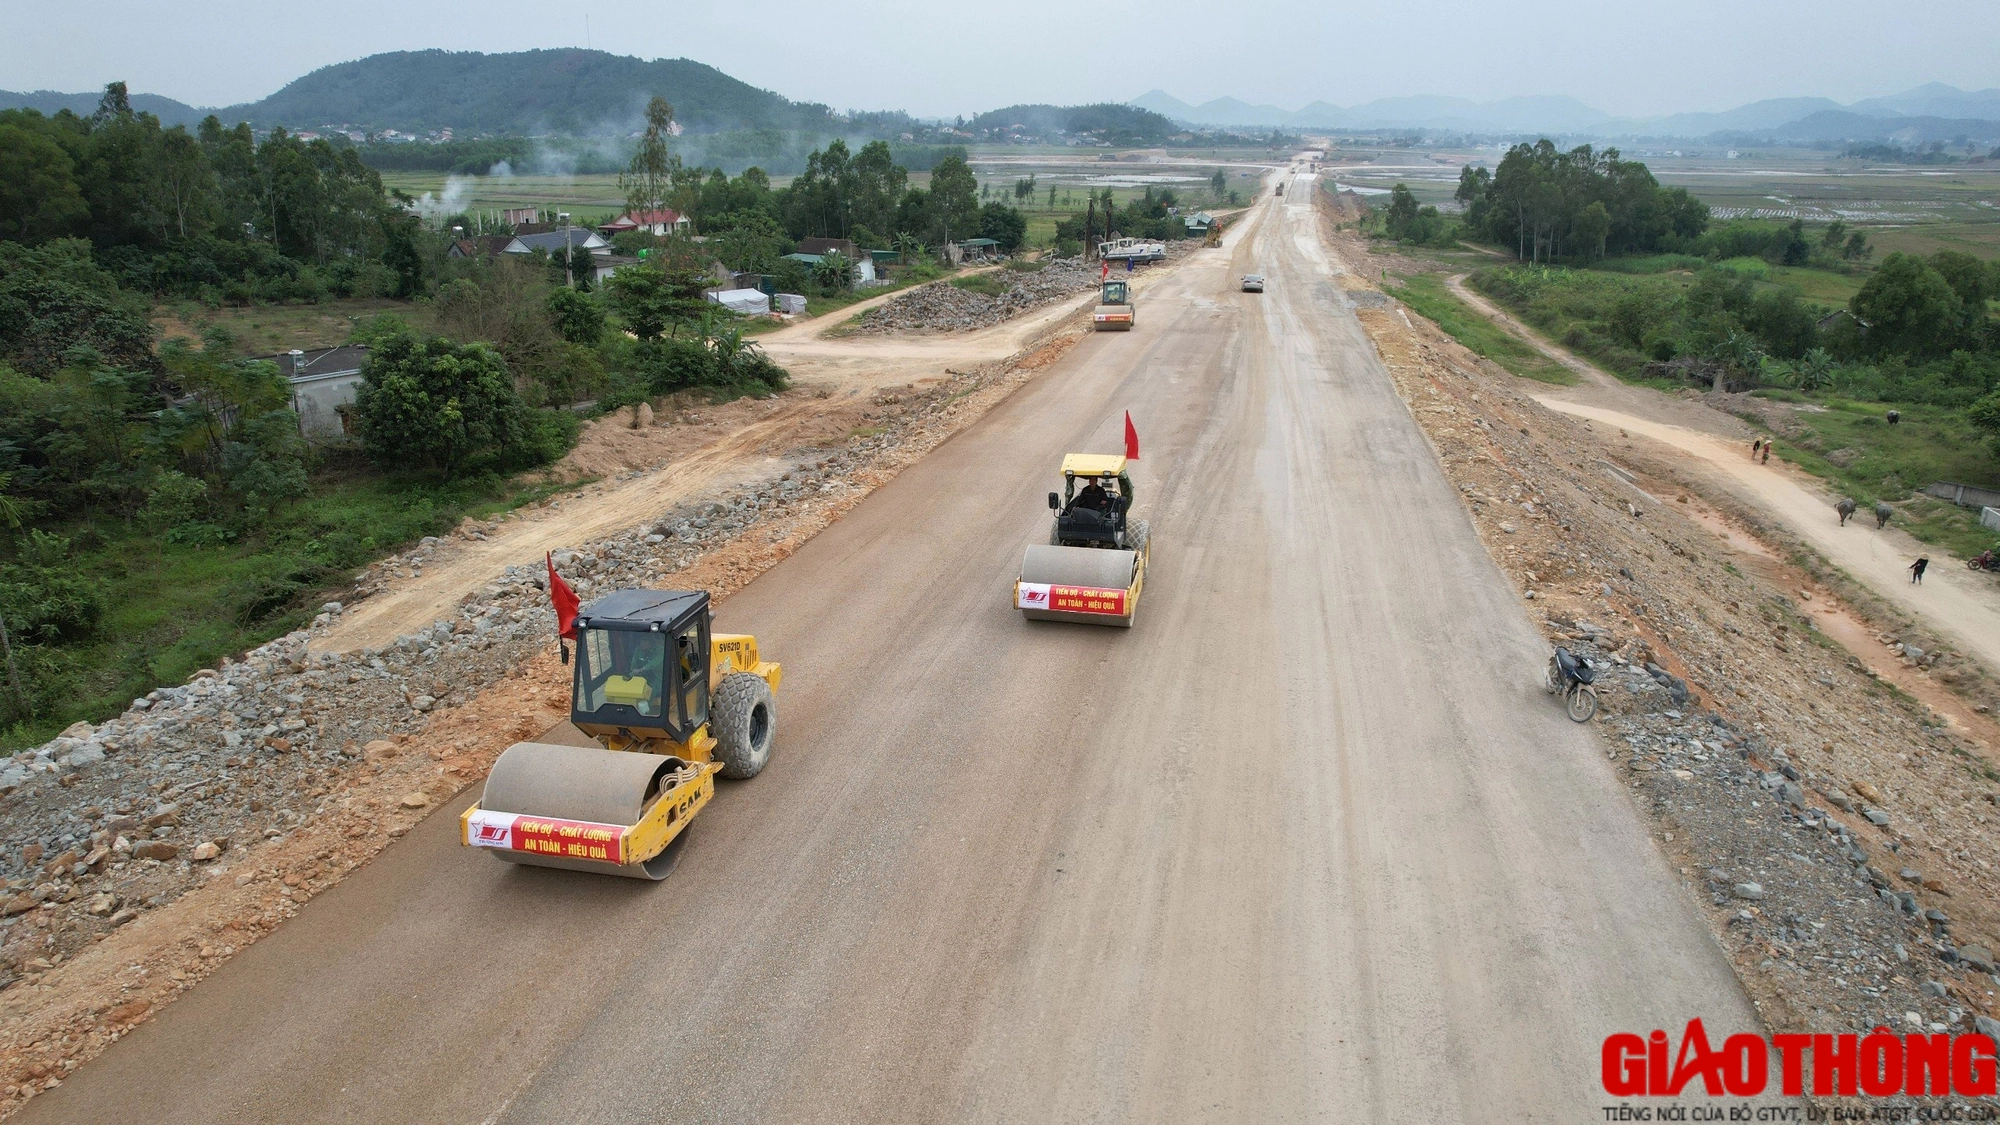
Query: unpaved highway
[1306,843]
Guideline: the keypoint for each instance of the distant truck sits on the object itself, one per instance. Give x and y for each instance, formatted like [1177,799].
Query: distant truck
[1136,250]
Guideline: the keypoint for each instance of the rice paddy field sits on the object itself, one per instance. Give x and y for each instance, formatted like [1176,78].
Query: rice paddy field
[1919,209]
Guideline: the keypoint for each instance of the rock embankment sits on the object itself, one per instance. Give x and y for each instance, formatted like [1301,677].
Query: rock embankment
[943,307]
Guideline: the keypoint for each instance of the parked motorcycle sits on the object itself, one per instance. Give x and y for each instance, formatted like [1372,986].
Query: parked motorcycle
[1572,677]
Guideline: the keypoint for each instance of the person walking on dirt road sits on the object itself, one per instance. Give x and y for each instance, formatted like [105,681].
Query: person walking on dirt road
[1754,447]
[1917,571]
[1767,454]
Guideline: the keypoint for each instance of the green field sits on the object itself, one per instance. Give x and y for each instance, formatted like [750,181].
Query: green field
[270,329]
[1916,209]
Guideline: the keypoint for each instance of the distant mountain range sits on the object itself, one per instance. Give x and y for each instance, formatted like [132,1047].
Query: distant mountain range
[1928,113]
[577,91]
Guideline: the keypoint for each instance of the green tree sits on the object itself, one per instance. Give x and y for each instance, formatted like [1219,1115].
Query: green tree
[39,198]
[954,198]
[1402,211]
[184,186]
[1218,183]
[1857,247]
[1973,281]
[1590,228]
[1004,225]
[1985,416]
[649,178]
[404,260]
[42,597]
[577,317]
[436,405]
[650,300]
[1909,308]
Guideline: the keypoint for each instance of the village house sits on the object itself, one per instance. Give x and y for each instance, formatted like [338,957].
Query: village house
[662,222]
[323,381]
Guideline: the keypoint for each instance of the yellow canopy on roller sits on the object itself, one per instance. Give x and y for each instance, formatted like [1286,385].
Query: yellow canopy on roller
[1092,464]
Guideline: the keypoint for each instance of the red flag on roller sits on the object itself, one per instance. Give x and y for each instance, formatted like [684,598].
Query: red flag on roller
[1105,273]
[1131,439]
[564,600]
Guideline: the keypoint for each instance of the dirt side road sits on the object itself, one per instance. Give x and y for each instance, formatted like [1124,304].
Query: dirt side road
[706,450]
[1954,602]
[1308,842]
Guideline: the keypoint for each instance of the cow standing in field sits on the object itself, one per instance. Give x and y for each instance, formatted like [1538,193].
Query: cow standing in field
[1882,513]
[1846,509]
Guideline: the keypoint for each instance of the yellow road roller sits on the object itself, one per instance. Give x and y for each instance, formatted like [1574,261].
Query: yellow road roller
[1094,565]
[1115,310]
[670,705]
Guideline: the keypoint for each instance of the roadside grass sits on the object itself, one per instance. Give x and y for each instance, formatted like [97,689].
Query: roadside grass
[818,306]
[176,603]
[1426,293]
[1569,307]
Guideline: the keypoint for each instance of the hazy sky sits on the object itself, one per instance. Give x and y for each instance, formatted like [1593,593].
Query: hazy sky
[940,57]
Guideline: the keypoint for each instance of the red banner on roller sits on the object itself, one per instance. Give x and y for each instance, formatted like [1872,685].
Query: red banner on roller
[549,836]
[1087,599]
[1131,438]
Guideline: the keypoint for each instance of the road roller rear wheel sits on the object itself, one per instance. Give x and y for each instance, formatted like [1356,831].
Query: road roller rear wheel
[744,723]
[1137,533]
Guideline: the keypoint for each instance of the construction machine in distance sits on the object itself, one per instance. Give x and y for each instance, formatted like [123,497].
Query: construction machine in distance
[1138,251]
[1093,567]
[1115,310]
[670,706]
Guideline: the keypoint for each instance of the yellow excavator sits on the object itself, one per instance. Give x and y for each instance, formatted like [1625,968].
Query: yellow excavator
[670,706]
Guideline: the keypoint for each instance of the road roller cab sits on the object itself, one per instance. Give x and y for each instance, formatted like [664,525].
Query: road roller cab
[1115,311]
[1095,503]
[670,704]
[1094,566]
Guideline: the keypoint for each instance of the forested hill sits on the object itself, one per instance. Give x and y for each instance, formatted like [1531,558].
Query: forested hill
[52,102]
[556,91]
[1111,122]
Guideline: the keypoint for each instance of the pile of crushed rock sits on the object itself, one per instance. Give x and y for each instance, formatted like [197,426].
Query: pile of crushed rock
[943,307]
